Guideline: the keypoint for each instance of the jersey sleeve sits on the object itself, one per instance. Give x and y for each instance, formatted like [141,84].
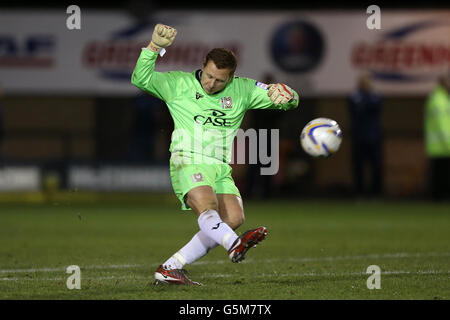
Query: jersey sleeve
[258,98]
[159,84]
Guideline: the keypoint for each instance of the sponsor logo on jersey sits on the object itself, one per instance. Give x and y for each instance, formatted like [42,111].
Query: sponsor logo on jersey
[214,117]
[227,103]
[197,177]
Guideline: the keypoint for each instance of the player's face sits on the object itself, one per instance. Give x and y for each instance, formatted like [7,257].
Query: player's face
[213,79]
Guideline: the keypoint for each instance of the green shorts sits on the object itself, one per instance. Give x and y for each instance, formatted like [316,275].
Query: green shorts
[188,176]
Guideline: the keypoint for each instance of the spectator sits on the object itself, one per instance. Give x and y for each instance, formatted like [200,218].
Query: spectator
[437,138]
[365,110]
[144,135]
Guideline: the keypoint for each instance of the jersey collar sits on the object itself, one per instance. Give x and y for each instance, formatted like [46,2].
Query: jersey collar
[198,76]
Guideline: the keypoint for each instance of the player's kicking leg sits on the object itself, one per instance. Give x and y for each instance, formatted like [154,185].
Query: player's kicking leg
[232,211]
[230,218]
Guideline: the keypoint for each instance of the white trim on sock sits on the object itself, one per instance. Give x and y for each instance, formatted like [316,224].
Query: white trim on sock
[178,256]
[225,239]
[172,263]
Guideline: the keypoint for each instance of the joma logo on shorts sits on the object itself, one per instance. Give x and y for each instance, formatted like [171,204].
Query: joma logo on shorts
[197,177]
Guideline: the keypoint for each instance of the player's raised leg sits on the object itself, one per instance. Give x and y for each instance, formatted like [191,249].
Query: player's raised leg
[203,201]
[232,211]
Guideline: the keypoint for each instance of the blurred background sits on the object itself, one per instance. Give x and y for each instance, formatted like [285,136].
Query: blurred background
[73,127]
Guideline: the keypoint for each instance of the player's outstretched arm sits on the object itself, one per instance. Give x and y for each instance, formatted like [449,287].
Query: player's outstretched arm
[162,37]
[272,96]
[159,84]
[280,93]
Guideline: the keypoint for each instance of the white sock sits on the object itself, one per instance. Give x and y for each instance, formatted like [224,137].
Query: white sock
[213,227]
[199,245]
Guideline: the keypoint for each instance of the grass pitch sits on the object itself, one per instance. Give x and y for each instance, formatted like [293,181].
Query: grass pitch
[314,250]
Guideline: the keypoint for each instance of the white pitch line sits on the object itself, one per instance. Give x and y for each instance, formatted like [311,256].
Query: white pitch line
[331,274]
[62,269]
[304,275]
[399,255]
[82,278]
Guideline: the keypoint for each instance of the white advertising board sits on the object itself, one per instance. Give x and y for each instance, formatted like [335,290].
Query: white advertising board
[318,53]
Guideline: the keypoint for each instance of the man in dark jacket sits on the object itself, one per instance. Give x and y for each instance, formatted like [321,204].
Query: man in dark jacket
[365,111]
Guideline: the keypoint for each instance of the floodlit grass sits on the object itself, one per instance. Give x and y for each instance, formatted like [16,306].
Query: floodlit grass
[314,250]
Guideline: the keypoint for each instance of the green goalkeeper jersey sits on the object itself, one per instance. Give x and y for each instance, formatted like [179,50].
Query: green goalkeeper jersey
[204,125]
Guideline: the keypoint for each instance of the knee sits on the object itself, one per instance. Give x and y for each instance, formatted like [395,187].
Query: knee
[201,204]
[207,205]
[236,221]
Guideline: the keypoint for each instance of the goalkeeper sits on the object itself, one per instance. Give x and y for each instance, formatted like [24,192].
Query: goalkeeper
[209,102]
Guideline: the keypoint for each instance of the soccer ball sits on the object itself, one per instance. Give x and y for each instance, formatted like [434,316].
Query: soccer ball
[321,137]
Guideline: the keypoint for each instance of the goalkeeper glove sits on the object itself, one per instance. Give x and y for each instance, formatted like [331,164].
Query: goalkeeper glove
[162,37]
[280,93]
